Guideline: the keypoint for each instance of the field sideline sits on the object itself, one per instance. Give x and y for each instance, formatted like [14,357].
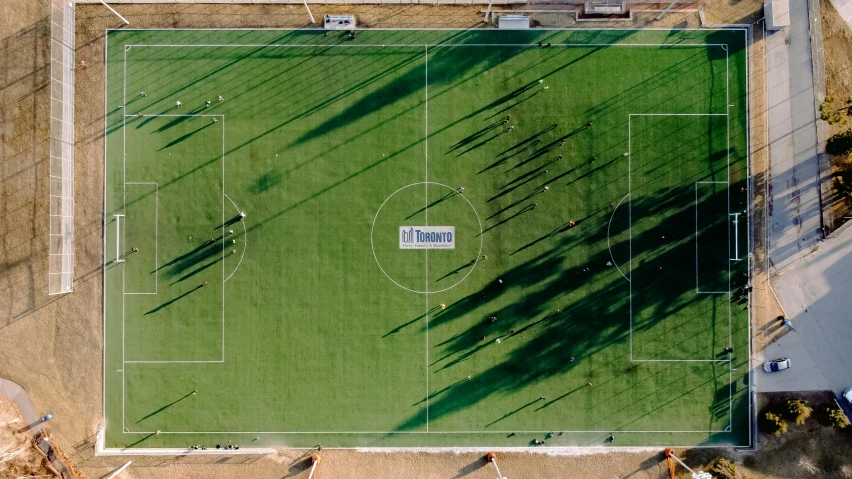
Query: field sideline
[306,322]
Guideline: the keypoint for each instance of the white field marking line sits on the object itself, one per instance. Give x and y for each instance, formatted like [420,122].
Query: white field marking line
[477,214]
[373,248]
[607,431]
[728,28]
[419,45]
[158,114]
[607,236]
[156,231]
[426,213]
[681,361]
[682,114]
[163,114]
[749,35]
[123,210]
[630,227]
[245,239]
[630,210]
[223,235]
[728,178]
[173,362]
[123,360]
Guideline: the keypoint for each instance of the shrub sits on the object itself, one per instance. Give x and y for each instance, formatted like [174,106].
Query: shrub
[834,417]
[840,144]
[774,424]
[798,411]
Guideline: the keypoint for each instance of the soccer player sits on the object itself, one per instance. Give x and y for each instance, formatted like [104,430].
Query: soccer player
[178,104]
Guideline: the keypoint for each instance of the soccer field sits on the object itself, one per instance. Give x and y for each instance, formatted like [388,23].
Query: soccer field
[451,238]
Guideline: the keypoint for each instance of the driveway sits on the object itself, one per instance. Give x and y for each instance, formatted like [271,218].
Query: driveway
[816,297]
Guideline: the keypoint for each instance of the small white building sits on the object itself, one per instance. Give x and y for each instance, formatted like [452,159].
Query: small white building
[777,13]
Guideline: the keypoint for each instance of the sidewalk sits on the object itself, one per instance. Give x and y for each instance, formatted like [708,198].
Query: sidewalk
[18,396]
[794,208]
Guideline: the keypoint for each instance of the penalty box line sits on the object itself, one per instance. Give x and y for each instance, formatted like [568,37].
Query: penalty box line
[123,318]
[729,360]
[630,229]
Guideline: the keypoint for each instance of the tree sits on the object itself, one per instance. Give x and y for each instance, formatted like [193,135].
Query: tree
[798,410]
[774,424]
[834,417]
[840,144]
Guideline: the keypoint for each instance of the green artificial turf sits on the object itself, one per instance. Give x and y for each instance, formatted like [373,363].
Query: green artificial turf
[310,325]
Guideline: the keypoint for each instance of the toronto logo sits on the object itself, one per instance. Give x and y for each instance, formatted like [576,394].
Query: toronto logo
[427,237]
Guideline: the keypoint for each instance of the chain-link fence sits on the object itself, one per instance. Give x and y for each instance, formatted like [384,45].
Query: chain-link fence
[61,248]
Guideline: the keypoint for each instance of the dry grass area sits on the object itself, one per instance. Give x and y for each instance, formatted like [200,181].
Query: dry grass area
[837,38]
[17,456]
[718,12]
[53,345]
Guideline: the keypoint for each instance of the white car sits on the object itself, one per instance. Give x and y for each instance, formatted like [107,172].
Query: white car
[776,365]
[847,395]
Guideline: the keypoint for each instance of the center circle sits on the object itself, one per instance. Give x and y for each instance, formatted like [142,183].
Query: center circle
[426,271]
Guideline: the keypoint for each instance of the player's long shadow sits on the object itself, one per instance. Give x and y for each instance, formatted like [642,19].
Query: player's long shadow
[532,172]
[403,325]
[432,204]
[198,270]
[513,105]
[504,98]
[442,390]
[550,146]
[164,407]
[180,119]
[525,198]
[529,140]
[172,300]
[561,229]
[457,270]
[506,220]
[548,403]
[144,438]
[501,161]
[463,356]
[178,266]
[471,138]
[484,142]
[184,137]
[186,255]
[513,188]
[512,413]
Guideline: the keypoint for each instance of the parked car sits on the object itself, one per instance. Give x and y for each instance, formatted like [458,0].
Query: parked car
[776,365]
[847,395]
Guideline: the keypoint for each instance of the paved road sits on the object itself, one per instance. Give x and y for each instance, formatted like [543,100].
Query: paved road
[815,295]
[19,397]
[794,214]
[844,7]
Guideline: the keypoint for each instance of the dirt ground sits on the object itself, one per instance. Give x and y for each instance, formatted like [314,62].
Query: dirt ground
[53,346]
[17,457]
[837,38]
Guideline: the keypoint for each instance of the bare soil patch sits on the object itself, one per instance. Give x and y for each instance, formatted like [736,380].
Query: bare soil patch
[17,456]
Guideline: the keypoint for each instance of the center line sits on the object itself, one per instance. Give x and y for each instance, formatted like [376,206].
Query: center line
[426,156]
